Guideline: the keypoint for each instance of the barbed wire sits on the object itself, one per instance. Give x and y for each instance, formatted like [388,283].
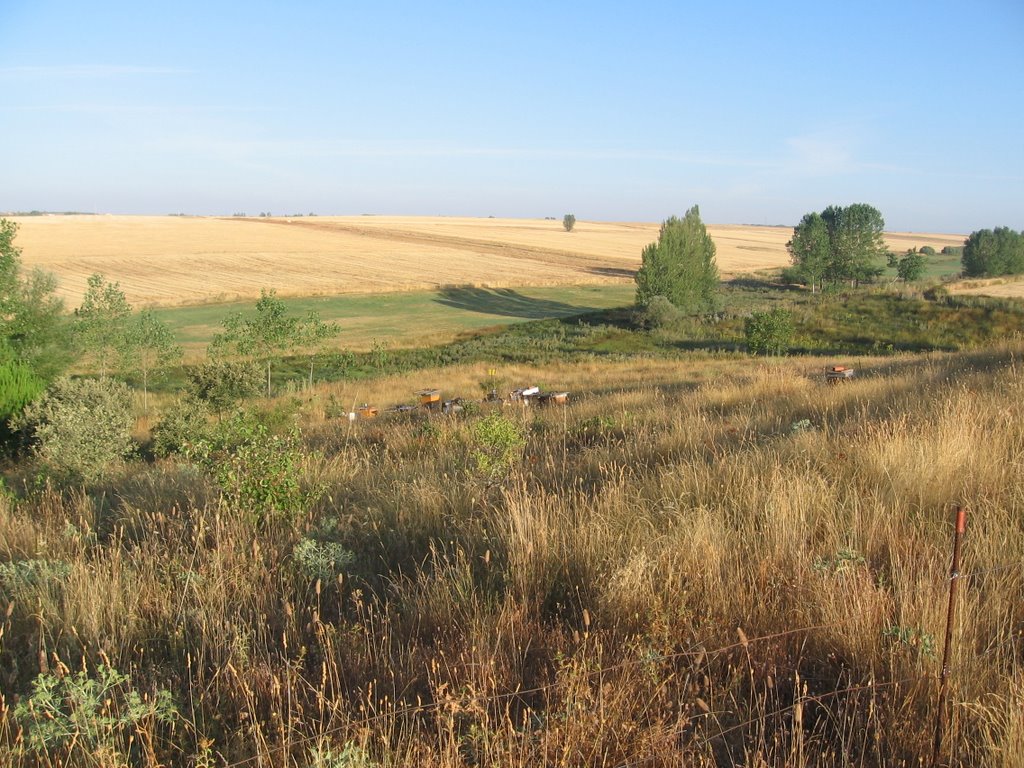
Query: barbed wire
[701,653]
[817,698]
[697,652]
[995,569]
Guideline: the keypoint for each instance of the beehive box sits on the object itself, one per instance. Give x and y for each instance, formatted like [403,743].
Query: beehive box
[836,373]
[430,398]
[553,398]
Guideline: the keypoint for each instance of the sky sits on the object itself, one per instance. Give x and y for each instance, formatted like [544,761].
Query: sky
[757,112]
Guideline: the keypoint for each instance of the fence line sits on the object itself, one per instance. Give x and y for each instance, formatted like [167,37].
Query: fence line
[783,710]
[982,571]
[694,652]
[431,707]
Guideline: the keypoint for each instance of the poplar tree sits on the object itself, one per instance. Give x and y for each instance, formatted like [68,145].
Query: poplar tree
[101,323]
[680,266]
[809,249]
[149,347]
[270,332]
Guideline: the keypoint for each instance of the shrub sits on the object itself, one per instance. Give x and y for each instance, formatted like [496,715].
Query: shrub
[258,473]
[660,313]
[792,276]
[81,427]
[910,267]
[769,333]
[498,442]
[927,250]
[184,423]
[322,560]
[91,714]
[568,222]
[224,383]
[351,755]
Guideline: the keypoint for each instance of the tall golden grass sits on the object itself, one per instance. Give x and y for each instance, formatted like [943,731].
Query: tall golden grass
[171,261]
[711,562]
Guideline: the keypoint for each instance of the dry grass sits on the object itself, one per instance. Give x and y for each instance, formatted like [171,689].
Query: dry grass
[999,287]
[712,563]
[170,261]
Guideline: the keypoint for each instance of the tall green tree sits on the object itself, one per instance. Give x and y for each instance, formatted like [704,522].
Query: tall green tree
[264,336]
[149,348]
[680,266]
[856,247]
[101,323]
[841,244]
[991,253]
[33,327]
[810,249]
[10,267]
[910,266]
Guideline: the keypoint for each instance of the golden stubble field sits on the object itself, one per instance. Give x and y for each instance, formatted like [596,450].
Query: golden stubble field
[1010,287]
[173,261]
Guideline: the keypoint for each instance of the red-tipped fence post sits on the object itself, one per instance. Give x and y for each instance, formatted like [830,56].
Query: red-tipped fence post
[954,577]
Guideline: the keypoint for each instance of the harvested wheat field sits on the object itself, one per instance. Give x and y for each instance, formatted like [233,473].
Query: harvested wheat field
[172,261]
[1011,287]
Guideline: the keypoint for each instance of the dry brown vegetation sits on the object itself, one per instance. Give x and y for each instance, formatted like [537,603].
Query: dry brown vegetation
[711,563]
[999,287]
[171,261]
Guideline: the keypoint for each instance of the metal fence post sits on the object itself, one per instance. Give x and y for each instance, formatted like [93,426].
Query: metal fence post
[954,577]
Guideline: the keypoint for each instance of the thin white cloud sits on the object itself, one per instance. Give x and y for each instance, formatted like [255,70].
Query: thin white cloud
[342,148]
[831,153]
[138,109]
[88,71]
[821,154]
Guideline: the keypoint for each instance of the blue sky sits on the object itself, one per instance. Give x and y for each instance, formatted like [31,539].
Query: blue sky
[758,112]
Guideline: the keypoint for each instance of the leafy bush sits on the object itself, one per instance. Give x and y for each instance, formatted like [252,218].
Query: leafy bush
[184,423]
[498,442]
[224,383]
[910,266]
[660,313]
[769,333]
[568,222]
[97,715]
[792,276]
[927,250]
[81,427]
[258,472]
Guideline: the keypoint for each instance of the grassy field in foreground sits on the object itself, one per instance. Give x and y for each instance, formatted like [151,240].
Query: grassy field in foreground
[411,318]
[713,561]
